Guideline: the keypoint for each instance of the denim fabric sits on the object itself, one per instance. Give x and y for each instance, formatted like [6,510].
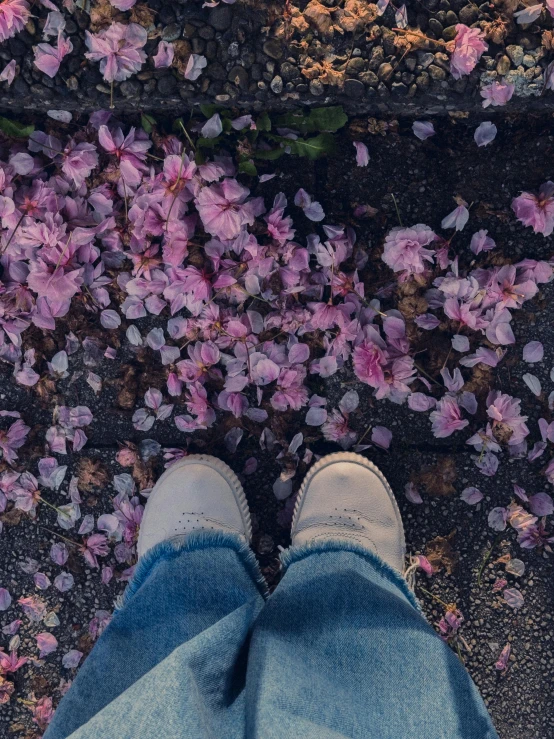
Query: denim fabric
[340,649]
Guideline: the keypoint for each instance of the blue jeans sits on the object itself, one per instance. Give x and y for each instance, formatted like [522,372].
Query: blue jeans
[198,650]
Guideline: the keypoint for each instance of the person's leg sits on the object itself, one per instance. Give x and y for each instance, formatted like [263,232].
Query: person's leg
[341,648]
[172,662]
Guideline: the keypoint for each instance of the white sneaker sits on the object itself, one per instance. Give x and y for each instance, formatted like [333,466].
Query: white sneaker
[198,493]
[346,497]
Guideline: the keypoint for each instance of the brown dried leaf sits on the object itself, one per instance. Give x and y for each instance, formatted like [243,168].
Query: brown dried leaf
[320,17]
[480,381]
[356,15]
[438,479]
[496,31]
[127,396]
[547,40]
[91,474]
[143,475]
[298,22]
[12,518]
[143,15]
[412,307]
[183,51]
[101,15]
[440,553]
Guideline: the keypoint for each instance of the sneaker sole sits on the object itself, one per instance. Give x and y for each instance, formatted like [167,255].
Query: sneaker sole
[344,457]
[226,472]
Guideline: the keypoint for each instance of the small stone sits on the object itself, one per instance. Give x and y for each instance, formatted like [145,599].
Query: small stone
[239,77]
[451,18]
[198,45]
[72,83]
[515,53]
[377,58]
[503,65]
[436,72]
[233,50]
[410,62]
[216,71]
[273,49]
[528,61]
[277,85]
[468,14]
[167,84]
[131,88]
[171,32]
[288,71]
[354,88]
[426,59]
[399,88]
[436,27]
[220,18]
[422,81]
[385,72]
[206,32]
[166,15]
[355,66]
[369,78]
[256,72]
[189,31]
[449,33]
[316,88]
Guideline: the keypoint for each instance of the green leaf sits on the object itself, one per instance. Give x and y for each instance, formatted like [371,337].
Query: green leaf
[15,129]
[312,148]
[147,122]
[208,143]
[270,154]
[177,123]
[226,124]
[328,119]
[264,122]
[318,119]
[248,167]
[209,110]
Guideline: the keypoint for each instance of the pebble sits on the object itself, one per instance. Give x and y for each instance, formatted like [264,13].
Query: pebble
[503,65]
[436,72]
[528,60]
[131,88]
[277,85]
[515,53]
[239,77]
[220,17]
[385,72]
[468,15]
[316,88]
[167,84]
[354,88]
[273,49]
[171,32]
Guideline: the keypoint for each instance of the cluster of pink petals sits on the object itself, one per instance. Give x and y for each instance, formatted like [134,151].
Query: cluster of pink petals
[469,45]
[118,49]
[536,211]
[48,58]
[14,14]
[405,251]
[497,93]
